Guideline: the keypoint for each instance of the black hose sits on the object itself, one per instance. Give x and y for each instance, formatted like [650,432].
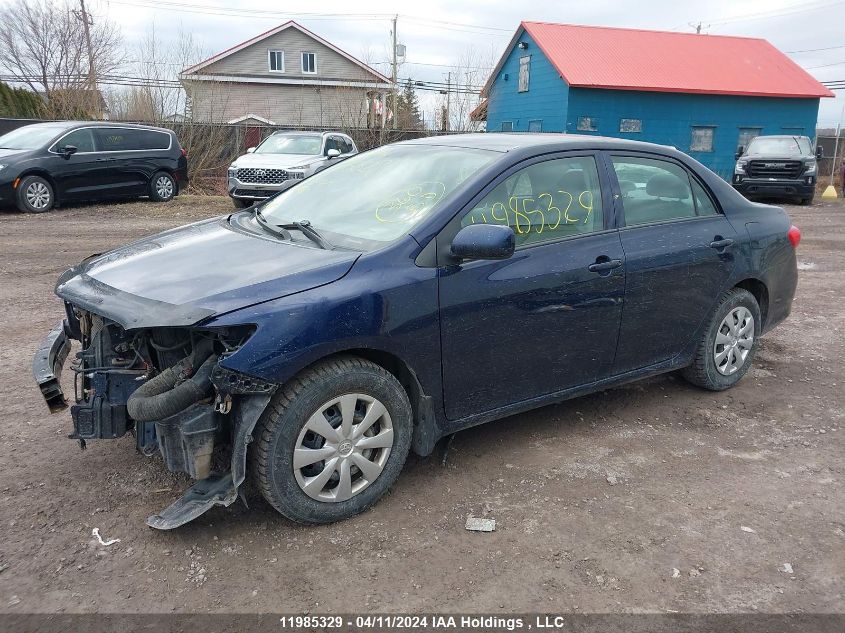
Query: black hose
[161,397]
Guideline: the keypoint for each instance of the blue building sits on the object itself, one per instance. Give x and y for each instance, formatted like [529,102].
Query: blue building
[704,94]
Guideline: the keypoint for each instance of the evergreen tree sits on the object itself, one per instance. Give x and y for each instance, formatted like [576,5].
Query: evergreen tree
[408,106]
[19,103]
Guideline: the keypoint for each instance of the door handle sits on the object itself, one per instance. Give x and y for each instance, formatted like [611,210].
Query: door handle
[720,243]
[604,264]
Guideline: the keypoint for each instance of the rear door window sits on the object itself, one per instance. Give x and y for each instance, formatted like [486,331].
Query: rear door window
[653,190]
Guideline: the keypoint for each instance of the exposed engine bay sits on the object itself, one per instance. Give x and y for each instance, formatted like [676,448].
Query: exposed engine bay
[165,386]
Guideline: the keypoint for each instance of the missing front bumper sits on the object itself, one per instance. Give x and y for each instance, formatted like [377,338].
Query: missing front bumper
[47,367]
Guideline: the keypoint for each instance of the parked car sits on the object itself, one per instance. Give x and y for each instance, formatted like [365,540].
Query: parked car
[408,293]
[47,164]
[782,166]
[281,158]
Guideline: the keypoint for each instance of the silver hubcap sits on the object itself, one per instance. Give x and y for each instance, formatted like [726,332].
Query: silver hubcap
[734,341]
[164,187]
[343,447]
[38,195]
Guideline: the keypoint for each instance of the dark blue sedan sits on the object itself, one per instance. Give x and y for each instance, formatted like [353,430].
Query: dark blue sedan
[405,294]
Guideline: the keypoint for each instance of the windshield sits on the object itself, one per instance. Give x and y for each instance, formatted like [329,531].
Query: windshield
[377,196]
[781,146]
[291,144]
[30,136]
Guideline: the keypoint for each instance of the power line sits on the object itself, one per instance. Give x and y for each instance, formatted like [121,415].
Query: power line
[776,13]
[240,12]
[815,50]
[205,9]
[824,65]
[764,15]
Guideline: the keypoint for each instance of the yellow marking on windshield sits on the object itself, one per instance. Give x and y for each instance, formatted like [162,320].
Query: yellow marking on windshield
[410,203]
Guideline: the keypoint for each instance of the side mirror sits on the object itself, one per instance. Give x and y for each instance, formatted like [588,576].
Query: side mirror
[740,150]
[68,150]
[250,150]
[332,153]
[819,152]
[484,241]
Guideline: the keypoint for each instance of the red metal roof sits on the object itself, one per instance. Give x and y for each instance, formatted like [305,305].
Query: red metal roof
[661,61]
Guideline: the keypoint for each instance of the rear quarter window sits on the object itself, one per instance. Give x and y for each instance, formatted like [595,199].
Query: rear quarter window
[125,139]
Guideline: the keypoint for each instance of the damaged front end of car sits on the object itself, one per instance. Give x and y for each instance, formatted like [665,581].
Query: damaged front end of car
[167,387]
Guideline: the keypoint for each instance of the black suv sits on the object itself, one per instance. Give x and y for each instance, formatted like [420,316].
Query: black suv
[777,166]
[46,164]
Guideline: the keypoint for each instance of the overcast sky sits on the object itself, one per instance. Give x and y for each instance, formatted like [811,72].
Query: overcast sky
[437,33]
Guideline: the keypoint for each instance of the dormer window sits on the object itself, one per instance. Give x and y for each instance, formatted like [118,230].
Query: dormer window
[309,63]
[276,61]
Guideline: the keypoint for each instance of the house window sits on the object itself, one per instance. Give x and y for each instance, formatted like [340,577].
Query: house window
[746,134]
[535,125]
[507,126]
[277,61]
[309,63]
[524,71]
[630,125]
[587,124]
[702,138]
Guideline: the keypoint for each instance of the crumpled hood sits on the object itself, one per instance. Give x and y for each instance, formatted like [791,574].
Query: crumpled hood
[274,161]
[188,274]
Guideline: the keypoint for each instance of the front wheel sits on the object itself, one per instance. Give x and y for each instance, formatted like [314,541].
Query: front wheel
[332,441]
[162,187]
[34,195]
[726,349]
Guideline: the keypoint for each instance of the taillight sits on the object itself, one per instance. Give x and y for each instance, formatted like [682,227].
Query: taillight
[184,152]
[794,235]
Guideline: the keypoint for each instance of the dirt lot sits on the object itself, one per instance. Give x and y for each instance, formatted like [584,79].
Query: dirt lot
[655,497]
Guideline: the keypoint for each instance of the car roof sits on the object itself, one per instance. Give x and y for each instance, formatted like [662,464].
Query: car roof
[510,141]
[306,133]
[70,125]
[781,136]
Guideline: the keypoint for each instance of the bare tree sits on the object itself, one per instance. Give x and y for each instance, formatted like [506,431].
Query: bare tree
[467,78]
[41,47]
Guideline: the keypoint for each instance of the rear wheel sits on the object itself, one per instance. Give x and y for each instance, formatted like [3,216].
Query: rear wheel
[162,187]
[727,347]
[332,441]
[34,195]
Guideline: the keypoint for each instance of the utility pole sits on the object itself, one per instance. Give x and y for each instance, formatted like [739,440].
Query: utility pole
[92,75]
[698,27]
[394,77]
[448,97]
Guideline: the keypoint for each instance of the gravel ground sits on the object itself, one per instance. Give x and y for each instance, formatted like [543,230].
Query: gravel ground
[654,497]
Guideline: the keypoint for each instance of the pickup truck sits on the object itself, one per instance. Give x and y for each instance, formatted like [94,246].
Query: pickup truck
[777,166]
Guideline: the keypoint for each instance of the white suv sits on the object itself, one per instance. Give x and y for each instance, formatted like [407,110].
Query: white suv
[283,157]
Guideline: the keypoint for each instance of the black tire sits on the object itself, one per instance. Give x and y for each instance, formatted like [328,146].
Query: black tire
[31,191]
[163,187]
[704,371]
[242,204]
[278,431]
[807,201]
